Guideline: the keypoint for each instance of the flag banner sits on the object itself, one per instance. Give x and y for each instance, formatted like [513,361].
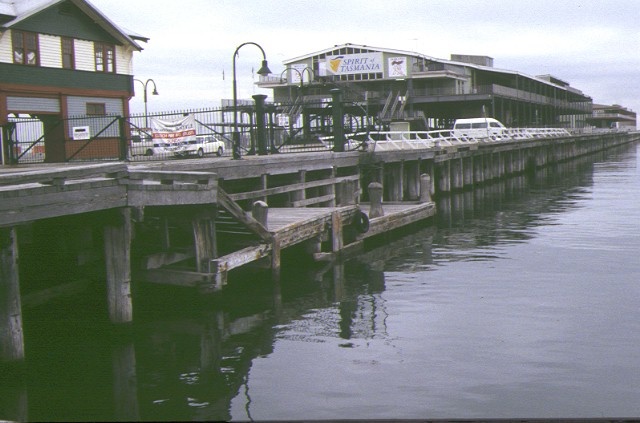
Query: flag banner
[174,131]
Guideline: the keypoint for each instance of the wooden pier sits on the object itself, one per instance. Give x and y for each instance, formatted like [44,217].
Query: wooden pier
[192,222]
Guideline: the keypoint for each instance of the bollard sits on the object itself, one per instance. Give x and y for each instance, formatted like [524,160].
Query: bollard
[375,196]
[425,188]
[260,212]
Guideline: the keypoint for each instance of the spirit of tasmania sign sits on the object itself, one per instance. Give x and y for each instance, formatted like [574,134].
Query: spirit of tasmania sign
[349,64]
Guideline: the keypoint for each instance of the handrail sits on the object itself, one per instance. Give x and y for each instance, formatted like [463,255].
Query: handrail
[411,140]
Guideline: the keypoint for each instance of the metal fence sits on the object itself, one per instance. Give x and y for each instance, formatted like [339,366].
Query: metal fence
[290,127]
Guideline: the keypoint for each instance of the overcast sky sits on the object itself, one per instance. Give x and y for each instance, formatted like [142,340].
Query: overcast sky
[592,44]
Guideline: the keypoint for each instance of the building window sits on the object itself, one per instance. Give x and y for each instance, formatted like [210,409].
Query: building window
[68,54]
[105,57]
[25,48]
[96,109]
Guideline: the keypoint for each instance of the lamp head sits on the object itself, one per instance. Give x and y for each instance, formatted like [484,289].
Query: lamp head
[155,92]
[264,69]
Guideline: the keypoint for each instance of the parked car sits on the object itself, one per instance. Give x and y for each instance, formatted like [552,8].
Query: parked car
[143,145]
[203,144]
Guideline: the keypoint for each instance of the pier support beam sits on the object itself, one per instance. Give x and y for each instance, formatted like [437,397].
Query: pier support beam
[117,246]
[509,163]
[500,164]
[412,170]
[457,176]
[396,187]
[300,194]
[444,179]
[346,193]
[276,258]
[425,188]
[478,170]
[487,167]
[204,237]
[337,242]
[11,335]
[260,212]
[330,190]
[125,386]
[467,169]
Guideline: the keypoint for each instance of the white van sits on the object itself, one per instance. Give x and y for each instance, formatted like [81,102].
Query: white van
[478,128]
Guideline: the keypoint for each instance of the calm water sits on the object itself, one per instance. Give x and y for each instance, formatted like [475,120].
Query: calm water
[520,300]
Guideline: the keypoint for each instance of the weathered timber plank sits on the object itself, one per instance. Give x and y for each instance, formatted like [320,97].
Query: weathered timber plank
[398,218]
[32,190]
[236,211]
[149,195]
[279,217]
[313,200]
[202,178]
[291,187]
[239,258]
[63,172]
[314,224]
[295,234]
[28,208]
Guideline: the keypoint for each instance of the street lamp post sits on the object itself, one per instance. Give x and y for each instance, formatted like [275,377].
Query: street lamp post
[264,70]
[155,92]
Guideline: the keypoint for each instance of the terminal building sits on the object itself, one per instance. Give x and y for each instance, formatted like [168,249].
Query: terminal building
[613,117]
[425,92]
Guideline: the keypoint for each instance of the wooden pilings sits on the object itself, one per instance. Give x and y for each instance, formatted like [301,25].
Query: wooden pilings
[117,247]
[459,173]
[425,188]
[260,212]
[205,245]
[468,168]
[11,335]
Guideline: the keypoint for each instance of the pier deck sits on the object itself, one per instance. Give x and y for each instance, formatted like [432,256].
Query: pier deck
[293,226]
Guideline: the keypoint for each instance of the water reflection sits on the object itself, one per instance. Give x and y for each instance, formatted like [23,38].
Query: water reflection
[189,357]
[475,225]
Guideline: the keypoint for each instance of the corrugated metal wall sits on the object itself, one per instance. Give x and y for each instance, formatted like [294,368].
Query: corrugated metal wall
[32,104]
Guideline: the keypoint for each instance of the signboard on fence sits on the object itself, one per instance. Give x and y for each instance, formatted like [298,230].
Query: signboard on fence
[81,133]
[174,131]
